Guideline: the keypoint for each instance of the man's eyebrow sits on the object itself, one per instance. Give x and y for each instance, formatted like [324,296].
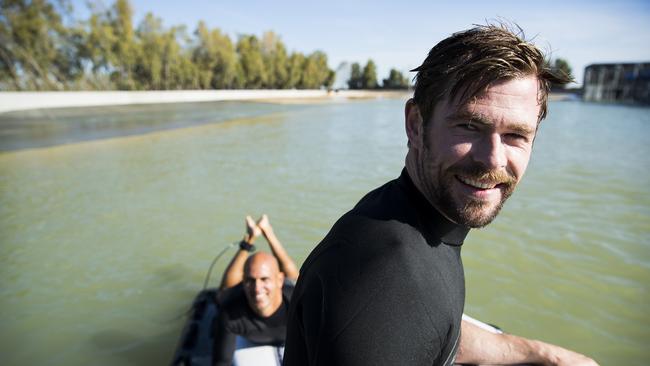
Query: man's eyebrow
[522,129]
[469,116]
[516,127]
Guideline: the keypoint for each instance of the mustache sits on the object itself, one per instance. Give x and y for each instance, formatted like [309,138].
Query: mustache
[481,174]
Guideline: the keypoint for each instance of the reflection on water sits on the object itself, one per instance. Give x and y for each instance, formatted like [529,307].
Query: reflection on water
[50,127]
[105,242]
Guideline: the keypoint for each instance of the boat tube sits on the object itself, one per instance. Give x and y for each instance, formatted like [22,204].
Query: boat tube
[197,339]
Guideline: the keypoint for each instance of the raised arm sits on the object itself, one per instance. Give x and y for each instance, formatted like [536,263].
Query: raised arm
[286,263]
[234,273]
[480,346]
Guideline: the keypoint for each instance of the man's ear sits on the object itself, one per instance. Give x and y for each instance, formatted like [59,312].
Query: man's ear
[413,123]
[281,277]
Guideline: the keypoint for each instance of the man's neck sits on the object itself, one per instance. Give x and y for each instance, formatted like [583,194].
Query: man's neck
[412,172]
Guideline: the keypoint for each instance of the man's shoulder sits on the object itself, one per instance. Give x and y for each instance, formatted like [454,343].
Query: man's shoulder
[388,201]
[287,288]
[379,223]
[355,235]
[231,299]
[361,247]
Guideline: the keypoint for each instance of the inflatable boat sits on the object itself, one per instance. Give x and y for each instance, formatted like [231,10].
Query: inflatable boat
[197,338]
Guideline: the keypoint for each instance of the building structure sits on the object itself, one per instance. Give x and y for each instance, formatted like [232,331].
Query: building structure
[617,82]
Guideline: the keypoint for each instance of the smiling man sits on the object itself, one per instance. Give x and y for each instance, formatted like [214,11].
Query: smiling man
[254,295]
[386,285]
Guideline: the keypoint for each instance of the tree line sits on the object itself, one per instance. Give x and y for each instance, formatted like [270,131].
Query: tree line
[42,47]
[366,78]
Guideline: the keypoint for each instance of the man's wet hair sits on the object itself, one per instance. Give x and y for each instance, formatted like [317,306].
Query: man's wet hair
[463,65]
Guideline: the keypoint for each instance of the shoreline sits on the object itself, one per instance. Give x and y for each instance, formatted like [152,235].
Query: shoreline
[23,101]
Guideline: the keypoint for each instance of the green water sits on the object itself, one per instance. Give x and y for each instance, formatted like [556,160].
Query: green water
[105,242]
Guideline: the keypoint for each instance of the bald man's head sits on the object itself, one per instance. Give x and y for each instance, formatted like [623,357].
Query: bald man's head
[263,283]
[261,259]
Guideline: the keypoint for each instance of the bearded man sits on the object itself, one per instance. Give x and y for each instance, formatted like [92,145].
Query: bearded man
[386,285]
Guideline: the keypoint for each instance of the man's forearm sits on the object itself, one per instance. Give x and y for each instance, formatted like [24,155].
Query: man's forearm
[286,264]
[479,346]
[234,273]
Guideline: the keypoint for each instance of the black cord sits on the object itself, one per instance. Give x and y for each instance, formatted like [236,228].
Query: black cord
[214,261]
[207,277]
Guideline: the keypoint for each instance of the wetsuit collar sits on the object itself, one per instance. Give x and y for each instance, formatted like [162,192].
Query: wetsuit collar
[436,226]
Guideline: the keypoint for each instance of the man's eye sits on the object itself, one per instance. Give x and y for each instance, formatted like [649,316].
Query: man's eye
[516,137]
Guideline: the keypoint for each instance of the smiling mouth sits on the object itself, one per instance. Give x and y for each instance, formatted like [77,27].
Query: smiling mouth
[477,184]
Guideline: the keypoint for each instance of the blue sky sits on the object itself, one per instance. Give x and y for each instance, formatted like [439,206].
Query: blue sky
[399,34]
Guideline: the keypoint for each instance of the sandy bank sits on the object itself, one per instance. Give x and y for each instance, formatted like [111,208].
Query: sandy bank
[16,101]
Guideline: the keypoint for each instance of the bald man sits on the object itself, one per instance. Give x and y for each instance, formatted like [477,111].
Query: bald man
[254,294]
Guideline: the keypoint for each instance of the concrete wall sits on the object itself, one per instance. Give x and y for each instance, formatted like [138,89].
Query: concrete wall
[15,101]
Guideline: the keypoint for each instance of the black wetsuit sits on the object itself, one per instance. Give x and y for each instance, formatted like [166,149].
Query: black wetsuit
[385,286]
[236,318]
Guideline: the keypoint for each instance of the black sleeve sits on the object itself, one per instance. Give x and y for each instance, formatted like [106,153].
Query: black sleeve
[224,342]
[303,326]
[323,305]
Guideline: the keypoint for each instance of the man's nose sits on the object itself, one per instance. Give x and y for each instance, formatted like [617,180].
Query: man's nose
[491,152]
[259,285]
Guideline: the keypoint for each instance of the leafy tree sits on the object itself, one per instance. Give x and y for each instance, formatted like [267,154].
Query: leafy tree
[161,63]
[96,48]
[329,80]
[280,67]
[369,77]
[296,60]
[356,79]
[216,60]
[227,72]
[563,66]
[315,71]
[110,46]
[395,80]
[124,48]
[41,49]
[149,61]
[35,48]
[252,62]
[178,70]
[275,60]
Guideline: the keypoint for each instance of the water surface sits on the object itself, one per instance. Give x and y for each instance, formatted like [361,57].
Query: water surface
[106,239]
